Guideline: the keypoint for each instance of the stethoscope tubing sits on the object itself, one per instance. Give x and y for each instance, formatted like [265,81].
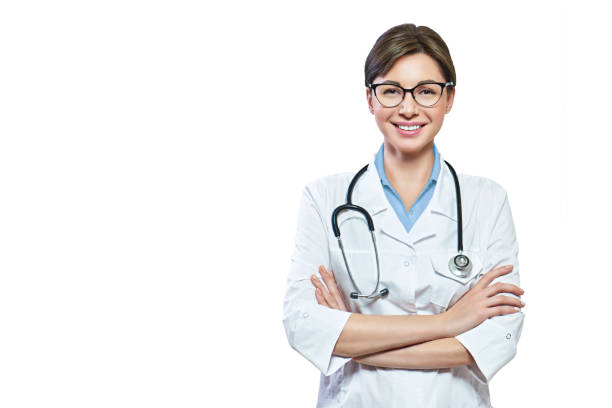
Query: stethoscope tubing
[459,212]
[459,265]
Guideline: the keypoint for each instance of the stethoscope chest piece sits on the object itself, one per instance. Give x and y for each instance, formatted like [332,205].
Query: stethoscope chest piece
[460,266]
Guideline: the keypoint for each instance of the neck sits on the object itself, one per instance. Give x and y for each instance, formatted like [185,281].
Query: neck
[407,171]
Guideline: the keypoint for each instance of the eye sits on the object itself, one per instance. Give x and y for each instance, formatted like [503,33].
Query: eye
[427,90]
[390,91]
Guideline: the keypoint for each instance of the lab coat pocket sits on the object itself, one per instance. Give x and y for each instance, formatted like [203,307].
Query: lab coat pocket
[447,288]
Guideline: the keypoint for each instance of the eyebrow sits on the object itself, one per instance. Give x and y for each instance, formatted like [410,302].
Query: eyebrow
[398,84]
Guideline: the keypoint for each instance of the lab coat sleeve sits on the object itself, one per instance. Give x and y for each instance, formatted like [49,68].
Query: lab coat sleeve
[493,343]
[312,329]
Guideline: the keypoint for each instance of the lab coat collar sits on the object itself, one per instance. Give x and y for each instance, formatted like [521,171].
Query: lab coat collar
[369,193]
[444,200]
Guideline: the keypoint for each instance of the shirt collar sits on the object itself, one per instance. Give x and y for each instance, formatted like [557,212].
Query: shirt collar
[370,192]
[380,166]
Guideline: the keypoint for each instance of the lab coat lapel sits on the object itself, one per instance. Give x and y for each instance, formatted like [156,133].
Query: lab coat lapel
[444,200]
[441,209]
[371,196]
[369,193]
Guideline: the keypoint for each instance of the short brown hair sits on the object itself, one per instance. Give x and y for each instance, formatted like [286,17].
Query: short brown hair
[407,39]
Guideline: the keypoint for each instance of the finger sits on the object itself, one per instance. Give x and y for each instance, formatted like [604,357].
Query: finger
[323,290]
[500,287]
[320,292]
[500,300]
[502,310]
[336,293]
[316,283]
[330,282]
[488,277]
[333,285]
[330,274]
[320,298]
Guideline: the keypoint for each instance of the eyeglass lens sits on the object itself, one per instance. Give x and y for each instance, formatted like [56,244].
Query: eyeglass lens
[391,95]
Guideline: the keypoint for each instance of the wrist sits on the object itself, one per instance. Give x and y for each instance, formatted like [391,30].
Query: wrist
[443,325]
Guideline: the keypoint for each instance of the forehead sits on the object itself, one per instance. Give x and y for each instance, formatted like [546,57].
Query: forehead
[411,69]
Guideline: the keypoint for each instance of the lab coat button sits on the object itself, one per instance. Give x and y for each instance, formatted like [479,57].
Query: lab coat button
[508,336]
[305,315]
[406,263]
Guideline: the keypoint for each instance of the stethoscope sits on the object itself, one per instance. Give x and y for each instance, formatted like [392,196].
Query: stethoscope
[459,265]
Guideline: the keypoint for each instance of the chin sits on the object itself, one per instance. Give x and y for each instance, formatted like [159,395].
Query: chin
[409,144]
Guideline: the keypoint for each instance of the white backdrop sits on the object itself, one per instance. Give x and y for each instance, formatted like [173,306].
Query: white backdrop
[152,156]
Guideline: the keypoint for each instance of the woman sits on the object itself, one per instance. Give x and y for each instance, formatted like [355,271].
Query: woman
[429,335]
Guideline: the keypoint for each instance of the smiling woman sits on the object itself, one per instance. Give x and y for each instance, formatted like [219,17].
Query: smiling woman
[439,330]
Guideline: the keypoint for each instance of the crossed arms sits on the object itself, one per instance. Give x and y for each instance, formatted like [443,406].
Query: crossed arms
[409,342]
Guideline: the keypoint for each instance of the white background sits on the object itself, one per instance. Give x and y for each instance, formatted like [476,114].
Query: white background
[152,157]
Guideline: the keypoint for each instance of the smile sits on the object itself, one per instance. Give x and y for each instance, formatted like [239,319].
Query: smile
[415,127]
[409,130]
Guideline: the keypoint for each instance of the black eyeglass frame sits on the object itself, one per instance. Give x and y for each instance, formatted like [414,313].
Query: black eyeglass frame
[404,91]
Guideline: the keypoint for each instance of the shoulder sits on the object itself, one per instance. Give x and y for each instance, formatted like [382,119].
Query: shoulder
[486,192]
[328,190]
[484,185]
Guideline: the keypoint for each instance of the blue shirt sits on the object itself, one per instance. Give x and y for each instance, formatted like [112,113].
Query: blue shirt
[408,218]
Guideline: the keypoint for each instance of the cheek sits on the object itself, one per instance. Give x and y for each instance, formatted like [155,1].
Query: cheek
[382,117]
[381,122]
[437,117]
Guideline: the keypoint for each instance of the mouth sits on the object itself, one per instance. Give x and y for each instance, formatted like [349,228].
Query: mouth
[409,128]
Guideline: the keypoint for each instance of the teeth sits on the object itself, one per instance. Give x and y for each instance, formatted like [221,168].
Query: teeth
[415,127]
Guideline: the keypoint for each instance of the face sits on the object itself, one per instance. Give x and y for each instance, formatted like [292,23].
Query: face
[408,71]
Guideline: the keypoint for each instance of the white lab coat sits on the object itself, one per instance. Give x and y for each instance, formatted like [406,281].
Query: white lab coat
[414,267]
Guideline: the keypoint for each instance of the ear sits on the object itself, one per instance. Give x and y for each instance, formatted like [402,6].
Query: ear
[450,98]
[369,99]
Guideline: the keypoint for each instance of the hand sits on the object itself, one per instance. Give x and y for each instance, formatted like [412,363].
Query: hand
[479,303]
[329,297]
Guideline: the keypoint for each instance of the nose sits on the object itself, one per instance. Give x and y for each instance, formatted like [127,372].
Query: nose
[408,106]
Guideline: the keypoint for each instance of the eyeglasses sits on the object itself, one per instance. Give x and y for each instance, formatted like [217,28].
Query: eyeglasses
[426,94]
